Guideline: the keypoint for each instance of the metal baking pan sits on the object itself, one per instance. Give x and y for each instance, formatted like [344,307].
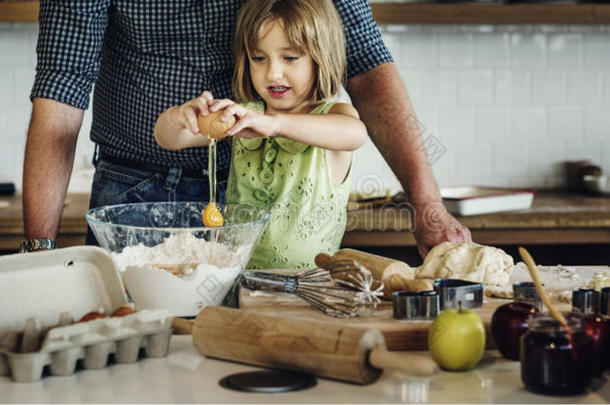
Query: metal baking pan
[452,292]
[471,200]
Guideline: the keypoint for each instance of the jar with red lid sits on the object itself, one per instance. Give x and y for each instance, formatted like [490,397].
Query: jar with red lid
[556,359]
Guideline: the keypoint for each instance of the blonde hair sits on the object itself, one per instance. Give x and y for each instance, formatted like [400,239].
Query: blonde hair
[312,26]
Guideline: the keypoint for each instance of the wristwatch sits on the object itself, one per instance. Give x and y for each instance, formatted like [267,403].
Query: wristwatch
[29,245]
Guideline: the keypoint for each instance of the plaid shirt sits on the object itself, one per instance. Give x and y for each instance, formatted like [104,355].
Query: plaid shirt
[145,56]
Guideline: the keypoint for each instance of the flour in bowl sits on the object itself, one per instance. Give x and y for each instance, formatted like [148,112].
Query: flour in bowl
[182,250]
[205,272]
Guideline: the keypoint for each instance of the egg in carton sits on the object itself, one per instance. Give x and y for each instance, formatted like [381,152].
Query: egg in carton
[70,282]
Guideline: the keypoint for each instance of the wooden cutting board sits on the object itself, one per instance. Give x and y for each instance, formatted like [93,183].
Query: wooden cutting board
[398,334]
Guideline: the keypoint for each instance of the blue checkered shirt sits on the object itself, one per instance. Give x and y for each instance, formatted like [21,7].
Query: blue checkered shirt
[145,56]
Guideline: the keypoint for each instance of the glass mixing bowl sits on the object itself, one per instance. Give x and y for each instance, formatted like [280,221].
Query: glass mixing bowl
[168,259]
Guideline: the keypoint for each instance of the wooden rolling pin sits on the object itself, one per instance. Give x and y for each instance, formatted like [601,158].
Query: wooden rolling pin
[395,275]
[325,349]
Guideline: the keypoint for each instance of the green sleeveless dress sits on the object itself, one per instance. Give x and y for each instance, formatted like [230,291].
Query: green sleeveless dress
[294,180]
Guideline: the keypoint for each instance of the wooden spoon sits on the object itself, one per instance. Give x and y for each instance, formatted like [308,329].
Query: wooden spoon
[531,266]
[182,326]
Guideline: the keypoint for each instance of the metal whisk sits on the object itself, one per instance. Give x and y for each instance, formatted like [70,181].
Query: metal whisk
[347,296]
[353,275]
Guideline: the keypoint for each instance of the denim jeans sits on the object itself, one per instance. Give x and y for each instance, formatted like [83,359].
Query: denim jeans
[116,184]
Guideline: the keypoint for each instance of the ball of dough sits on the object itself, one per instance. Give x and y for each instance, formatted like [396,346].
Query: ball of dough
[467,261]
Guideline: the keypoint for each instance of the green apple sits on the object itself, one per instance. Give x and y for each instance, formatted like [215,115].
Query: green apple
[456,339]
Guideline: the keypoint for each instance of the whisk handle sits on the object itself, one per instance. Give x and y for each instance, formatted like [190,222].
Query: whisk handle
[411,364]
[269,282]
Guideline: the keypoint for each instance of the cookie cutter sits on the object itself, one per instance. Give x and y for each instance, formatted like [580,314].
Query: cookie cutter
[415,306]
[604,305]
[586,300]
[452,292]
[525,291]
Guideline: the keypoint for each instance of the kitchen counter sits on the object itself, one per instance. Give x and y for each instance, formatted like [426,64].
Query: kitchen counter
[554,218]
[186,377]
[72,229]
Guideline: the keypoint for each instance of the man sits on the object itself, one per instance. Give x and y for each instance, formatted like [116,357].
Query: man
[146,56]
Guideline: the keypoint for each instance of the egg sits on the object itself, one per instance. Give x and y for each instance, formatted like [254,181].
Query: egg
[92,316]
[212,126]
[122,311]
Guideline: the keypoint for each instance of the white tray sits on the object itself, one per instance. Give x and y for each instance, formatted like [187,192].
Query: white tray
[472,200]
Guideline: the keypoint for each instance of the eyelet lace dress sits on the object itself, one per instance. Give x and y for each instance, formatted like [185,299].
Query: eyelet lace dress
[294,180]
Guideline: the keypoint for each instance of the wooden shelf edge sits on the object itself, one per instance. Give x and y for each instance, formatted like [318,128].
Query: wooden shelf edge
[477,13]
[19,11]
[422,13]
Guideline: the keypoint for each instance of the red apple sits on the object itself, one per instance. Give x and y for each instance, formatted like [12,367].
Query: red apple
[508,323]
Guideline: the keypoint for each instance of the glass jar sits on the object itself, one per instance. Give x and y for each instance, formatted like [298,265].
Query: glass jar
[556,359]
[587,302]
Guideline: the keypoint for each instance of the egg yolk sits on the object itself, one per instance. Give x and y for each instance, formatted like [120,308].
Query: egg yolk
[211,216]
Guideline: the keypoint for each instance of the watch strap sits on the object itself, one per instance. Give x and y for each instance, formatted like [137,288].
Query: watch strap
[30,245]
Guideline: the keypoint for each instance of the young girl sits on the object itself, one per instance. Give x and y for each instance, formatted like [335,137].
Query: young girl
[292,145]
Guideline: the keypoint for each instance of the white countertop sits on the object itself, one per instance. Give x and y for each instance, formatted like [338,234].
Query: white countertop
[186,377]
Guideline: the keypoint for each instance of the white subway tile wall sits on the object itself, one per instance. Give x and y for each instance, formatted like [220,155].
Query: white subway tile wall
[492,123]
[565,50]
[584,86]
[501,105]
[528,122]
[549,86]
[606,87]
[512,86]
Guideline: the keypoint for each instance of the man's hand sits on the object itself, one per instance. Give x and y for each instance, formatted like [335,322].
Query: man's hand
[434,225]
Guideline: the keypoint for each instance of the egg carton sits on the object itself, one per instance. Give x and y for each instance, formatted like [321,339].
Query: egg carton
[39,287]
[92,343]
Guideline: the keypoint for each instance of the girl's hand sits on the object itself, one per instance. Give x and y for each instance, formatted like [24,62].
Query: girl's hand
[185,115]
[250,124]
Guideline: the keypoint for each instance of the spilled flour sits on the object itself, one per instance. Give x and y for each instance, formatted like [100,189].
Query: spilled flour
[558,281]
